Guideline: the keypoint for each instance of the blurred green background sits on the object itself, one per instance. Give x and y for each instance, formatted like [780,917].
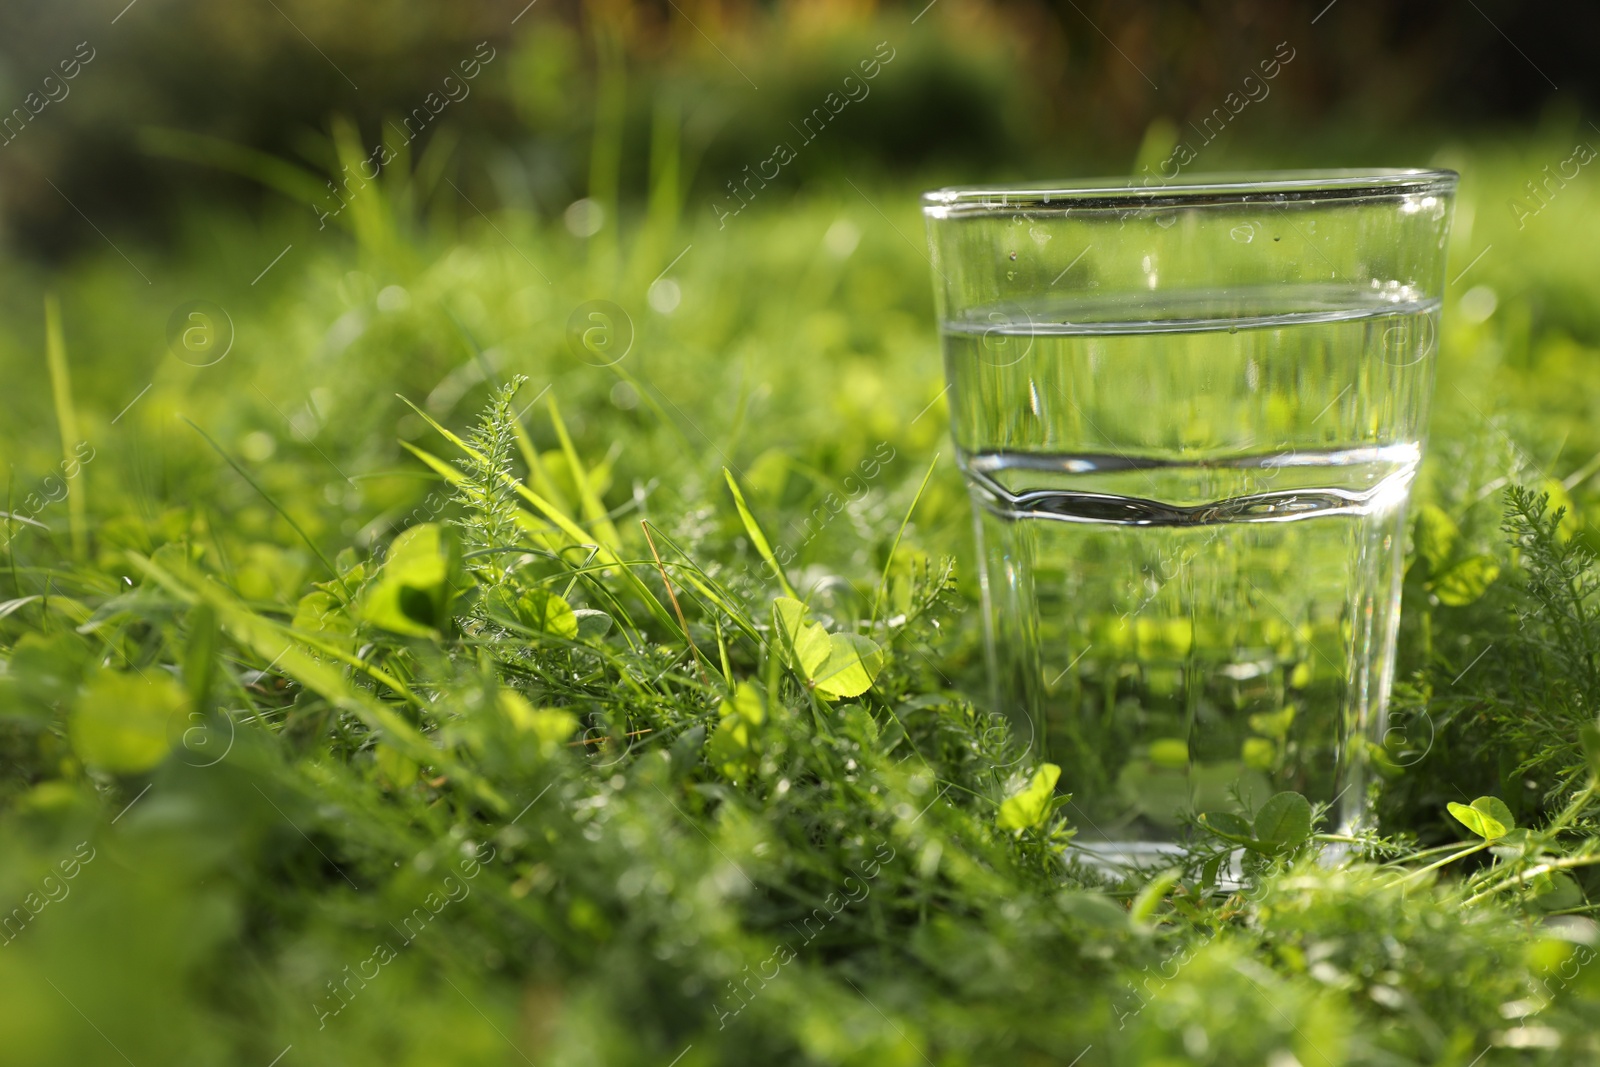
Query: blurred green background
[599,142]
[217,157]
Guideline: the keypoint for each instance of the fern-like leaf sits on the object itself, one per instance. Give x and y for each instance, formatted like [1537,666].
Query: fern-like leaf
[487,490]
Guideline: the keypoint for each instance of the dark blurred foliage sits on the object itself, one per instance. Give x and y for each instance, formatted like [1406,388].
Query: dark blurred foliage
[1013,87]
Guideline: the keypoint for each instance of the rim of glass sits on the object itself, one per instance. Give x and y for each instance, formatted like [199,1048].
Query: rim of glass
[1194,189]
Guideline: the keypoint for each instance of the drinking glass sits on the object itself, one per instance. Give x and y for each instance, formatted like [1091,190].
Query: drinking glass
[1189,416]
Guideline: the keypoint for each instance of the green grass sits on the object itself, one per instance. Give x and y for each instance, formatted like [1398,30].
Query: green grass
[556,777]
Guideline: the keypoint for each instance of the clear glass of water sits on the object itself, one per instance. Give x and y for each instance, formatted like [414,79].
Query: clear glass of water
[1189,417]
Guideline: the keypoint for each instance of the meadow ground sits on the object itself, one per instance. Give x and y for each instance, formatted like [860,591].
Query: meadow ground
[550,779]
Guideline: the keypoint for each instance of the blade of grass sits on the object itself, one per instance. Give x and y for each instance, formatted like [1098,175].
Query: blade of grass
[530,456]
[442,431]
[883,583]
[757,538]
[297,183]
[722,657]
[450,474]
[372,217]
[707,586]
[683,622]
[593,510]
